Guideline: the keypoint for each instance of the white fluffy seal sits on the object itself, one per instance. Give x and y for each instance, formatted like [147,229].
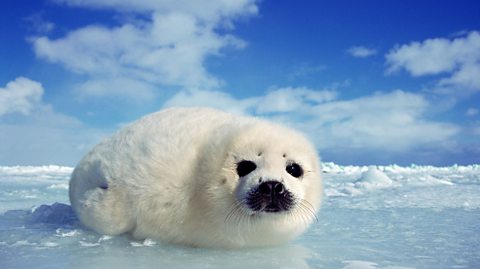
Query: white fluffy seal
[200,177]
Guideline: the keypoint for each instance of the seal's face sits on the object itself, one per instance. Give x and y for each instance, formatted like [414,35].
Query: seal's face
[270,194]
[276,174]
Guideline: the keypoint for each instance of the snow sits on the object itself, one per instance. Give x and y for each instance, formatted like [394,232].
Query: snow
[373,217]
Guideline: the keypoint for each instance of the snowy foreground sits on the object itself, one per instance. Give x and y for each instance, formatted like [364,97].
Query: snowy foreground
[372,217]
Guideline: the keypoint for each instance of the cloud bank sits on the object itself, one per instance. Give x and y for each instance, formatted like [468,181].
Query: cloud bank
[21,95]
[386,121]
[168,46]
[457,60]
[206,11]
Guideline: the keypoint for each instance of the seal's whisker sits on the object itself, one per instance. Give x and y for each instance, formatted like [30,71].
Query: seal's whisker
[300,214]
[309,210]
[234,208]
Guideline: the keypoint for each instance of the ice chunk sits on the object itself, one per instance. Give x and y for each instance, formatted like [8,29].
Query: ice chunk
[369,265]
[360,265]
[146,243]
[59,214]
[88,244]
[374,179]
[60,232]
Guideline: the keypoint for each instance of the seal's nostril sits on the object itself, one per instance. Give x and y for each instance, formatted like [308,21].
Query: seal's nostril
[265,188]
[279,188]
[271,188]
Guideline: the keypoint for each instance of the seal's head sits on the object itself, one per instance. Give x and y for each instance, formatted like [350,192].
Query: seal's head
[277,172]
[270,183]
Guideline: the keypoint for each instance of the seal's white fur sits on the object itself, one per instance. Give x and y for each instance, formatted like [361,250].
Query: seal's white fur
[171,176]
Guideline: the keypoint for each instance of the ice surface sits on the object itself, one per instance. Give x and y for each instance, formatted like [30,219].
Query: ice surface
[375,217]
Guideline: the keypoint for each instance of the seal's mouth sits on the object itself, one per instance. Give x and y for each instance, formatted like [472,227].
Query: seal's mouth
[270,197]
[273,208]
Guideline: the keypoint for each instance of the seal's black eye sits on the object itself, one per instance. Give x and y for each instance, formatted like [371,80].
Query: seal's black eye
[294,169]
[245,167]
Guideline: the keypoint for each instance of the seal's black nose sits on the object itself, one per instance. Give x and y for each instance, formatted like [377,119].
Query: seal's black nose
[271,188]
[270,196]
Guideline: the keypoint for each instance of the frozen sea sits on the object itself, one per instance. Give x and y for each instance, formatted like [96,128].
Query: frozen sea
[372,217]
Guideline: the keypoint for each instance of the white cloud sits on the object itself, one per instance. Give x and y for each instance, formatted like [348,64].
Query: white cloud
[471,112]
[32,133]
[207,11]
[167,49]
[214,99]
[393,121]
[290,99]
[390,122]
[361,52]
[459,58]
[135,90]
[279,100]
[468,76]
[20,96]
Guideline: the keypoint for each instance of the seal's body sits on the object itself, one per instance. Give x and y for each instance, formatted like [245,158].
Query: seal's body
[200,177]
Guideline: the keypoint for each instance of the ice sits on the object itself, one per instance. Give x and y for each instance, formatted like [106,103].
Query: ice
[373,217]
[374,179]
[57,213]
[368,265]
[146,243]
[22,186]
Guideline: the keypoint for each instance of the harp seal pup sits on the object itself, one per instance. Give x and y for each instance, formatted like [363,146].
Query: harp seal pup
[200,177]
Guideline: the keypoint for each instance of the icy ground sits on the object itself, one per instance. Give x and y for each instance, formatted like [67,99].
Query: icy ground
[372,217]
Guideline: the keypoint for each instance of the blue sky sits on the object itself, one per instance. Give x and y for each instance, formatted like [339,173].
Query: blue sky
[370,82]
